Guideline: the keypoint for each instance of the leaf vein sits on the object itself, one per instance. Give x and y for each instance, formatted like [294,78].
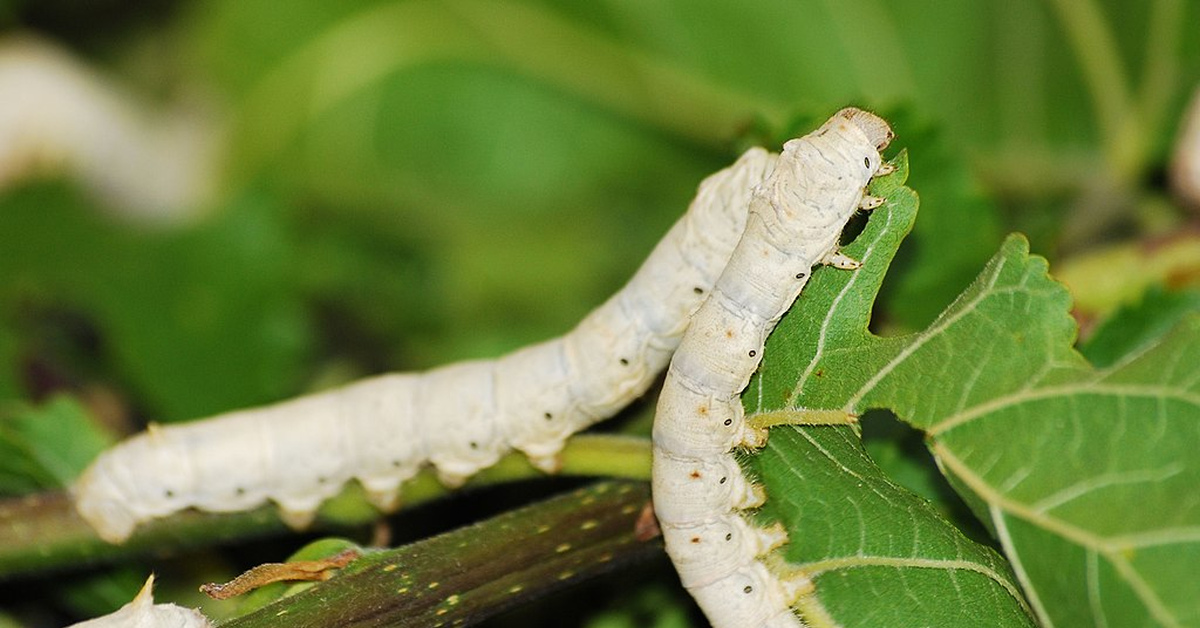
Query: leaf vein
[833,312]
[816,568]
[999,521]
[1079,489]
[919,341]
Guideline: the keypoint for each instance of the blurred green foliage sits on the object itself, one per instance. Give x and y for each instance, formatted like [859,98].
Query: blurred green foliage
[409,183]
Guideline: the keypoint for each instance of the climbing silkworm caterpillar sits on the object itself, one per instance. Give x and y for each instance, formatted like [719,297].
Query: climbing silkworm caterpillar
[460,418]
[796,216]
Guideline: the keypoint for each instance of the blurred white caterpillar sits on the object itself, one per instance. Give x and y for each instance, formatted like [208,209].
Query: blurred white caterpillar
[1185,166]
[796,217]
[460,418]
[142,612]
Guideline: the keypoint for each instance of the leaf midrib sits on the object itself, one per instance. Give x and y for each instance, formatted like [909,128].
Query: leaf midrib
[834,310]
[1088,387]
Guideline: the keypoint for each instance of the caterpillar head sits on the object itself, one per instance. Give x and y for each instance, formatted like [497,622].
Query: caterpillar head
[116,493]
[102,502]
[876,129]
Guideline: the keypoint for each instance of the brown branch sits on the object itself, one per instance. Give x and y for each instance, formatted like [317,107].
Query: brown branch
[470,574]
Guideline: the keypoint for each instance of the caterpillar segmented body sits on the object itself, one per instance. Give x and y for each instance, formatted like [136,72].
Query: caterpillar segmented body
[796,216]
[460,418]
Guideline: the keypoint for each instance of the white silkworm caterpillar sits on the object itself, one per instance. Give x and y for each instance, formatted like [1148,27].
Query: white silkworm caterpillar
[460,418]
[796,217]
[142,612]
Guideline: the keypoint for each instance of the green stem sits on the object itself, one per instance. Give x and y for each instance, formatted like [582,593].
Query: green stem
[43,532]
[1160,74]
[1105,77]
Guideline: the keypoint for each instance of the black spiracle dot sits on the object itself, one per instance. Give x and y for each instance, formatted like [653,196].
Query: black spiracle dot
[698,290]
[748,590]
[867,162]
[723,479]
[753,353]
[728,536]
[728,422]
[473,445]
[800,275]
[624,362]
[548,416]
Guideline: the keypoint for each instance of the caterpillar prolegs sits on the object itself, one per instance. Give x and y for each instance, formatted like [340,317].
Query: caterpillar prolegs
[460,418]
[796,216]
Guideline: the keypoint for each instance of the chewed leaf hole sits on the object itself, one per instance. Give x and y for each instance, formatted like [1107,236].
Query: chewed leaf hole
[901,452]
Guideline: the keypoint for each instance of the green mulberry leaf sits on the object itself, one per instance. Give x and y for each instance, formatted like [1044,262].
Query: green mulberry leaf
[1086,477]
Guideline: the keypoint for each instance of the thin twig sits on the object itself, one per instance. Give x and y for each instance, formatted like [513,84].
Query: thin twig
[268,573]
